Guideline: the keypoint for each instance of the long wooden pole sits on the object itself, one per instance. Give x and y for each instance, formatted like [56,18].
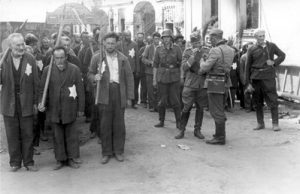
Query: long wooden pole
[51,61]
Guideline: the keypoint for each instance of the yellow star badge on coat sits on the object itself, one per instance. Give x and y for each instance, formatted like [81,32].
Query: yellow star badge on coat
[28,70]
[131,53]
[73,92]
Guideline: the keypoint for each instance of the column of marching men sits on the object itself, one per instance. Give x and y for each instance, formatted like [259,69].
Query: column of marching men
[159,71]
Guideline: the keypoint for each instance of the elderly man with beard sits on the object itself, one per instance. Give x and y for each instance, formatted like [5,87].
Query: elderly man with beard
[19,98]
[65,101]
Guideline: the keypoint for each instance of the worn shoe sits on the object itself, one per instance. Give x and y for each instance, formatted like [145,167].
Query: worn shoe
[36,151]
[259,127]
[276,127]
[152,110]
[32,168]
[133,106]
[216,141]
[105,159]
[58,165]
[160,124]
[180,135]
[14,168]
[73,164]
[77,160]
[119,157]
[198,134]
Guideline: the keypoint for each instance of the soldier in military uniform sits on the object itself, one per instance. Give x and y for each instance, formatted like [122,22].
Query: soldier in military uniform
[260,76]
[193,91]
[166,75]
[219,62]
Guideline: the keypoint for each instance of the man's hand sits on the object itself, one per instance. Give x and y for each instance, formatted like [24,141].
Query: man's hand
[80,114]
[35,109]
[154,83]
[249,89]
[41,108]
[98,77]
[129,103]
[182,81]
[270,62]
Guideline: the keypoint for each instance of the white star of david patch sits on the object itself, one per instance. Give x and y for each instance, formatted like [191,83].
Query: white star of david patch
[73,92]
[132,53]
[28,70]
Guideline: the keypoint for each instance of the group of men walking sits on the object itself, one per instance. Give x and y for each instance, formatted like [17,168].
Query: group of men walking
[109,71]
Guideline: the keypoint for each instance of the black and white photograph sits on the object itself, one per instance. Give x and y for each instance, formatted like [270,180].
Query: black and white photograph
[149,97]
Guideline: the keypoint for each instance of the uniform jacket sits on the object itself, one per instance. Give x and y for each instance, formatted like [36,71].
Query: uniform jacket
[28,86]
[191,65]
[130,50]
[62,103]
[125,78]
[256,64]
[148,57]
[219,60]
[167,62]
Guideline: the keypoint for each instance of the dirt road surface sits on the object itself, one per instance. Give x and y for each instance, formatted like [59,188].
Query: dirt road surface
[252,162]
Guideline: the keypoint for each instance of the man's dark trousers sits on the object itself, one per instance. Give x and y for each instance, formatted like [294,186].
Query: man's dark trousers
[143,94]
[112,123]
[66,141]
[19,132]
[216,108]
[152,99]
[169,92]
[265,89]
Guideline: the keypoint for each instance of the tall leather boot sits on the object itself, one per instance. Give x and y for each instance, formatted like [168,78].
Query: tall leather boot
[274,115]
[183,122]
[177,116]
[260,118]
[198,123]
[220,137]
[162,114]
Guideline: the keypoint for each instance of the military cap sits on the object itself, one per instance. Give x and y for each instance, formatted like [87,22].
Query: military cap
[195,36]
[157,34]
[216,32]
[178,36]
[167,32]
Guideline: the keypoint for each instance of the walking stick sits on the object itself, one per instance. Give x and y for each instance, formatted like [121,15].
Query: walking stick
[51,61]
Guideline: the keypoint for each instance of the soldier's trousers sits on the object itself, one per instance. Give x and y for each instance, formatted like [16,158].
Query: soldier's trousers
[169,93]
[265,90]
[216,107]
[66,141]
[112,123]
[152,97]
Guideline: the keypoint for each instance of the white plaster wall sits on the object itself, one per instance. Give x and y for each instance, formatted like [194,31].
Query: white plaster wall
[281,20]
[227,17]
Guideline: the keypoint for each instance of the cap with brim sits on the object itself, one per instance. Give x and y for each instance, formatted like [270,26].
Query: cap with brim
[216,32]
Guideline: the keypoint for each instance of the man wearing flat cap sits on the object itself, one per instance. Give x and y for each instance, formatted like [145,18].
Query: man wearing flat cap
[217,66]
[260,77]
[193,91]
[166,76]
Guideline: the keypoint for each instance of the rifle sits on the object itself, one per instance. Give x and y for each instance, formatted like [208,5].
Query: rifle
[20,28]
[51,61]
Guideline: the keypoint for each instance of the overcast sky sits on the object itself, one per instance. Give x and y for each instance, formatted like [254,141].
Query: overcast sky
[33,10]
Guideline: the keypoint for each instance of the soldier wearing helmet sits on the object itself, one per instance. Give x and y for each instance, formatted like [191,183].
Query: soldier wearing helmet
[193,91]
[166,75]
